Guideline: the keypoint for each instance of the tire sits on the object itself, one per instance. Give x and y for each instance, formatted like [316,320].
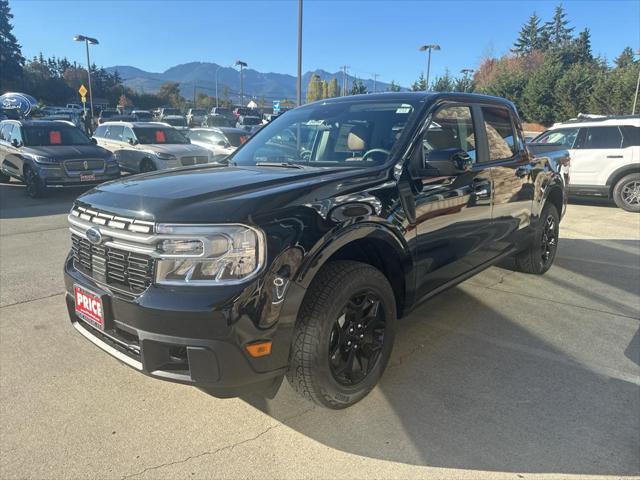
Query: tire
[348,303]
[147,166]
[539,256]
[626,193]
[34,185]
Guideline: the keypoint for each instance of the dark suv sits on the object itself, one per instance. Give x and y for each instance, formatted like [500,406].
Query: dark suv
[298,258]
[45,154]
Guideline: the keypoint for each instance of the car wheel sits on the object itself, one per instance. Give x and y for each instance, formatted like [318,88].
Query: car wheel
[539,256]
[147,166]
[344,335]
[626,193]
[34,185]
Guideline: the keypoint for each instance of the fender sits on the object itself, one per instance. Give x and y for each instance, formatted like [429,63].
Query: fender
[621,171]
[554,183]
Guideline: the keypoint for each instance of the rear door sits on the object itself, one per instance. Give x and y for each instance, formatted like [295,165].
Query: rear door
[598,153]
[512,175]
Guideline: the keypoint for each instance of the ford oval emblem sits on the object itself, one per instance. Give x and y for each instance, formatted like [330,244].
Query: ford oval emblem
[94,236]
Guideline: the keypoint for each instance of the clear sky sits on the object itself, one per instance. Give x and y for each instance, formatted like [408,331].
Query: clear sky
[375,36]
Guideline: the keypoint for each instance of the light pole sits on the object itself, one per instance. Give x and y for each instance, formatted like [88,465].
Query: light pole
[217,70]
[299,80]
[242,65]
[635,98]
[428,48]
[87,41]
[466,72]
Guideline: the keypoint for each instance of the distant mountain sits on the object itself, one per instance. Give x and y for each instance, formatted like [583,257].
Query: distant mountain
[271,86]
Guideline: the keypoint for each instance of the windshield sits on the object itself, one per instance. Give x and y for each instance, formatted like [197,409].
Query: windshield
[108,113]
[143,115]
[52,135]
[251,121]
[171,111]
[176,122]
[151,135]
[352,134]
[198,111]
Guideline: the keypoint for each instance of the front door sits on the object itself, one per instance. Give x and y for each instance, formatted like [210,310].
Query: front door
[452,213]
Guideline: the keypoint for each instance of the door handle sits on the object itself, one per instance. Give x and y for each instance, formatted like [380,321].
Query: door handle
[615,156]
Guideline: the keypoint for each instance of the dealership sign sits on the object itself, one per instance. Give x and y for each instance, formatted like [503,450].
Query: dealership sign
[21,102]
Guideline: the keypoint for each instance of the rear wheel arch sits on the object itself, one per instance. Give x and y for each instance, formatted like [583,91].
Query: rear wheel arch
[619,174]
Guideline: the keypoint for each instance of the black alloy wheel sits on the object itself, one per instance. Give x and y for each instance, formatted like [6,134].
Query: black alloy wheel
[357,338]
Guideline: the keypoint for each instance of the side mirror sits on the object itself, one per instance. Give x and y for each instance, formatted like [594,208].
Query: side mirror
[221,143]
[447,162]
[132,141]
[16,143]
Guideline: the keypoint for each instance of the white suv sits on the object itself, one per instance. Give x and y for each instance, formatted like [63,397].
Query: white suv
[605,157]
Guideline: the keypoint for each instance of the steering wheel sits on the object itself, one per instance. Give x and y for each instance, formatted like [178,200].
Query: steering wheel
[305,154]
[374,150]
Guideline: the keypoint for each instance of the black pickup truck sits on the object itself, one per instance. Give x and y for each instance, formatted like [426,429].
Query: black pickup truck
[297,258]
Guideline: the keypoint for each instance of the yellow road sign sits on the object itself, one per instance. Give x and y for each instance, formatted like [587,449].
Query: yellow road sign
[82,90]
[84,99]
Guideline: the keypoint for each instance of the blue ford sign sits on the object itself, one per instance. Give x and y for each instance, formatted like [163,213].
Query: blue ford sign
[94,236]
[21,102]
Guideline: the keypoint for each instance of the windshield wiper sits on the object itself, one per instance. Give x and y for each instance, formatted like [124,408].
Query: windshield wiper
[278,164]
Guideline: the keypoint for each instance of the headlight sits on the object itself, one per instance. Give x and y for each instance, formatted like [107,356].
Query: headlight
[209,255]
[44,160]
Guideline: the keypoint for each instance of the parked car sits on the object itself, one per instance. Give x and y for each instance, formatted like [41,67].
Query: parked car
[225,112]
[75,106]
[176,121]
[245,111]
[214,140]
[165,111]
[195,116]
[66,115]
[299,258]
[106,114]
[249,124]
[147,146]
[233,136]
[49,154]
[216,120]
[605,157]
[142,115]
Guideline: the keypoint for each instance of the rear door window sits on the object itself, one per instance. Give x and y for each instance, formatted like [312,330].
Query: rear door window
[631,136]
[501,137]
[601,137]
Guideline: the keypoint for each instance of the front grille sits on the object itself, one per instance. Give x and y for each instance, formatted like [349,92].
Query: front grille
[186,161]
[113,221]
[128,271]
[82,166]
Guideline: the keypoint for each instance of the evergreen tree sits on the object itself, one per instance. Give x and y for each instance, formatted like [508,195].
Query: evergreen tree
[539,93]
[581,47]
[529,38]
[332,88]
[358,87]
[11,59]
[325,89]
[444,83]
[419,85]
[463,84]
[625,59]
[393,87]
[573,90]
[557,30]
[613,91]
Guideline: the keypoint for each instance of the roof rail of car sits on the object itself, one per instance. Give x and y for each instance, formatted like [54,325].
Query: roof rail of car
[588,118]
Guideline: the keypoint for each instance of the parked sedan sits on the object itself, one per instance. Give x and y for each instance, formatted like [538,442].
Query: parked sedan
[249,124]
[213,140]
[147,146]
[217,120]
[176,121]
[45,154]
[195,116]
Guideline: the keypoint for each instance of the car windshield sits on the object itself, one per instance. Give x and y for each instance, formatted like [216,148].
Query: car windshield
[357,133]
[218,121]
[251,121]
[108,113]
[151,135]
[198,111]
[143,115]
[52,135]
[171,111]
[176,122]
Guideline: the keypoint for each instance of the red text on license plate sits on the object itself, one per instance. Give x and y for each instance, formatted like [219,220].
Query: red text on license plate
[89,306]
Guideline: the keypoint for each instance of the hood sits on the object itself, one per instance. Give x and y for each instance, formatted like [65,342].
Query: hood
[177,149]
[68,152]
[216,194]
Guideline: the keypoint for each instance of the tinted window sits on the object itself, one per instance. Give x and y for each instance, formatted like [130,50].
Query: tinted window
[451,128]
[631,135]
[5,132]
[151,135]
[16,134]
[198,111]
[100,131]
[127,134]
[500,134]
[48,135]
[176,122]
[565,136]
[114,132]
[251,121]
[602,137]
[108,113]
[235,139]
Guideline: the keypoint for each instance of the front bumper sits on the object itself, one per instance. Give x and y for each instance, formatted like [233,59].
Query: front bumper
[194,336]
[56,176]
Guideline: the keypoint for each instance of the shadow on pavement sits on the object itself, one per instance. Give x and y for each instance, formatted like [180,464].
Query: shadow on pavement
[594,201]
[15,203]
[469,388]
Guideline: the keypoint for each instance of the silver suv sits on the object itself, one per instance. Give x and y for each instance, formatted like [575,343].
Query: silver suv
[147,146]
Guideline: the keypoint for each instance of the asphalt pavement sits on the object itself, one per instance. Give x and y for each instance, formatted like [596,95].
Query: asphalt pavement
[505,376]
